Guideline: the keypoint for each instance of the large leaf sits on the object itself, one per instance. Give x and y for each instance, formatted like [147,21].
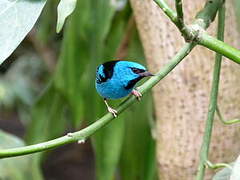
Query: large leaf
[17,168]
[17,18]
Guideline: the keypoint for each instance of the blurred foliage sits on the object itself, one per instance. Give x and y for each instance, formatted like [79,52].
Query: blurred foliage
[54,101]
[17,168]
[20,85]
[96,32]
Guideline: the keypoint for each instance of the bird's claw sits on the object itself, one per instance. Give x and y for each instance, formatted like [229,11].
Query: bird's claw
[137,94]
[113,111]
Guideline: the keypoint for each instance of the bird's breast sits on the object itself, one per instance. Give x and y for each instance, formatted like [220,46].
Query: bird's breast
[113,89]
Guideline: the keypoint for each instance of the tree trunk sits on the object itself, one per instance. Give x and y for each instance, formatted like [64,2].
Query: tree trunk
[181,99]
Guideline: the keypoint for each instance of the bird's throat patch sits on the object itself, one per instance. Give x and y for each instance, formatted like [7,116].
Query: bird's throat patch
[132,83]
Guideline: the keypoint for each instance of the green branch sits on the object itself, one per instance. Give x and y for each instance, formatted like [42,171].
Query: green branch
[81,135]
[207,15]
[217,165]
[176,17]
[213,100]
[196,31]
[168,11]
[178,5]
[203,18]
[180,19]
[219,47]
[227,122]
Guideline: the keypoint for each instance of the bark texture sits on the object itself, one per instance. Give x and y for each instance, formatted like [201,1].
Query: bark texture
[181,99]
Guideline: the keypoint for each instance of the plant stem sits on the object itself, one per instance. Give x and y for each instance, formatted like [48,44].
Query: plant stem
[217,165]
[207,15]
[167,10]
[227,122]
[213,100]
[203,17]
[178,5]
[176,17]
[195,32]
[180,19]
[81,135]
[219,47]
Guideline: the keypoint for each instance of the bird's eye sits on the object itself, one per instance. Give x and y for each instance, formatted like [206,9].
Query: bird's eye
[137,71]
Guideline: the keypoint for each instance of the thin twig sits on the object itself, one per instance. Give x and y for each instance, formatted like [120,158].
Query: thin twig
[180,17]
[227,122]
[167,10]
[175,17]
[203,18]
[213,99]
[217,165]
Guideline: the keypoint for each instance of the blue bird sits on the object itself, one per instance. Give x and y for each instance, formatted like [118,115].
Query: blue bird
[116,79]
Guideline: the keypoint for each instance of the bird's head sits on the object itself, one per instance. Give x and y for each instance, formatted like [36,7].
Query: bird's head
[123,72]
[130,72]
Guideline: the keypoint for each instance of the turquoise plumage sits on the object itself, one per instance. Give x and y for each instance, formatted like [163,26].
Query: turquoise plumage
[116,79]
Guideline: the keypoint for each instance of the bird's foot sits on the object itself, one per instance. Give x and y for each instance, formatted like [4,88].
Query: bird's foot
[137,94]
[113,111]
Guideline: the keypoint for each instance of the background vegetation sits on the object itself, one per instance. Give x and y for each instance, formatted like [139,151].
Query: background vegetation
[47,90]
[49,83]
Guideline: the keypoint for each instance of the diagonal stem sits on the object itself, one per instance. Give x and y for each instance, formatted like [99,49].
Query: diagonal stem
[81,135]
[213,100]
[167,10]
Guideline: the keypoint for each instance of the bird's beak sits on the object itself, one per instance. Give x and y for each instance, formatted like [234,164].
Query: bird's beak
[146,74]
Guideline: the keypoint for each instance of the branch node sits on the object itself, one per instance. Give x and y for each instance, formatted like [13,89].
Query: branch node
[70,134]
[81,141]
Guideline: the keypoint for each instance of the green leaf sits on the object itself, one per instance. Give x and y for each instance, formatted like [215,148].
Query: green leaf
[17,18]
[17,168]
[64,9]
[46,31]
